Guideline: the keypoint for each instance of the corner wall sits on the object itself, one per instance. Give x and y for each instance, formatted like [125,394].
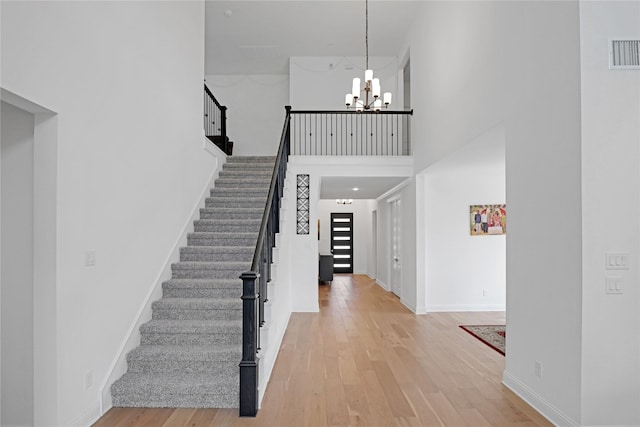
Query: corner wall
[126,80]
[465,272]
[498,67]
[610,209]
[17,158]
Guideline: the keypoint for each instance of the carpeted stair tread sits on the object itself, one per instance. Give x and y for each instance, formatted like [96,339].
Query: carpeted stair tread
[180,352]
[198,303]
[222,239]
[237,202]
[248,166]
[199,283]
[206,265]
[202,288]
[207,269]
[240,159]
[217,253]
[191,326]
[227,225]
[175,390]
[265,174]
[257,192]
[219,212]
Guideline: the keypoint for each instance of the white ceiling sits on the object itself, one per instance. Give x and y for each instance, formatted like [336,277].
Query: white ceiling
[368,187]
[258,37]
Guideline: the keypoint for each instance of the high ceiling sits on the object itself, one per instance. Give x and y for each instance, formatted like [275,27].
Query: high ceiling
[258,37]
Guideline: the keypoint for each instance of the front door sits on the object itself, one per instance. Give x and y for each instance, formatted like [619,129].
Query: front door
[342,242]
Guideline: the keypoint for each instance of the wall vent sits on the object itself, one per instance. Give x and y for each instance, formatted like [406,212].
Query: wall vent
[624,55]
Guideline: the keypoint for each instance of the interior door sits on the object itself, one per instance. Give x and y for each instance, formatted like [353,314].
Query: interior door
[342,241]
[396,248]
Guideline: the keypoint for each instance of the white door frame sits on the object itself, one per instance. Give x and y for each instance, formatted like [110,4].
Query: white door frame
[395,246]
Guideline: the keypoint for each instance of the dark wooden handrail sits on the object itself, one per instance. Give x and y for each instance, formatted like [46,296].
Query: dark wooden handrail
[254,281]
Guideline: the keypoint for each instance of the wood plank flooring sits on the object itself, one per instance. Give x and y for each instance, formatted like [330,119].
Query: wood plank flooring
[366,360]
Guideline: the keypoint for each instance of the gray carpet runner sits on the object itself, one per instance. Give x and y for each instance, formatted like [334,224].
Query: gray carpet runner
[190,350]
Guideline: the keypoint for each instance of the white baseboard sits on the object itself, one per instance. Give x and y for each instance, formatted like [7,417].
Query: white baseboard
[470,307]
[88,418]
[553,414]
[383,285]
[412,308]
[306,309]
[132,338]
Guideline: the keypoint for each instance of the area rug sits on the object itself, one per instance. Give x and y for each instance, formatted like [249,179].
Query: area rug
[492,335]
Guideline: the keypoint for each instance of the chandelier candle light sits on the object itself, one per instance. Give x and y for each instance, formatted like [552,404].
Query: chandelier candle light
[371,85]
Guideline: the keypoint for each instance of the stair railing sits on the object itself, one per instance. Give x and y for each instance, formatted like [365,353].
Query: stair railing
[254,282]
[215,122]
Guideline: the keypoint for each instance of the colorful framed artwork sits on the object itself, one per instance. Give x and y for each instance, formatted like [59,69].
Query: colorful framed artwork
[488,220]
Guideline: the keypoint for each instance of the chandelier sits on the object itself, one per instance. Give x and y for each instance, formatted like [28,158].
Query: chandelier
[371,99]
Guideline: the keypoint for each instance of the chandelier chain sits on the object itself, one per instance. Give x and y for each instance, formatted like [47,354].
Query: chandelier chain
[366,31]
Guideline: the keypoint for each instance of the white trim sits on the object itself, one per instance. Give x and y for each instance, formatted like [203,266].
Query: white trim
[470,307]
[383,285]
[306,309]
[413,309]
[88,418]
[393,197]
[270,361]
[118,366]
[537,402]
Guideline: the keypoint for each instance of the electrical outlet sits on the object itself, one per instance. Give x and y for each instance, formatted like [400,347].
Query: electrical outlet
[88,380]
[537,369]
[485,292]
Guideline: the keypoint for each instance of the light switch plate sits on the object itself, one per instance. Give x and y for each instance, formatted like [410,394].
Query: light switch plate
[617,261]
[614,285]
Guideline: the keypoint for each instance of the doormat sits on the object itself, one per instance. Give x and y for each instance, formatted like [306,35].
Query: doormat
[492,335]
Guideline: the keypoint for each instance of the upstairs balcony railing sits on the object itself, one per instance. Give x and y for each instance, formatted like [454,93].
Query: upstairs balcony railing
[350,133]
[215,122]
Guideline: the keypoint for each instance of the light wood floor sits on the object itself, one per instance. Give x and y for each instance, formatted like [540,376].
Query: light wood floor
[365,359]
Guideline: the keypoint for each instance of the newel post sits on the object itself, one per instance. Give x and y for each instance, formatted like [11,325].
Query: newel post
[249,364]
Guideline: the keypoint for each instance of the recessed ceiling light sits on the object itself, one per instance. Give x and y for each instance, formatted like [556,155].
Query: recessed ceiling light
[355,188]
[228,13]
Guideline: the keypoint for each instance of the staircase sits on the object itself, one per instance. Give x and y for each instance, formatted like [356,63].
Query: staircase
[190,350]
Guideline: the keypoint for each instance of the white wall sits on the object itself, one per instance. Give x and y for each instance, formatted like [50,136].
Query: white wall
[17,156]
[497,67]
[610,209]
[465,272]
[361,210]
[255,110]
[126,80]
[320,83]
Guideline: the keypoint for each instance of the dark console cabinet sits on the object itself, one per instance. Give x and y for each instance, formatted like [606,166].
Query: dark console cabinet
[326,268]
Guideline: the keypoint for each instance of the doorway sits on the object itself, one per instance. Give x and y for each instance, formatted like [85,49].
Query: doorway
[342,241]
[17,259]
[396,246]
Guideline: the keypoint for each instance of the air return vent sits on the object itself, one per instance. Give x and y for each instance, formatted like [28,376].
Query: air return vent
[624,55]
